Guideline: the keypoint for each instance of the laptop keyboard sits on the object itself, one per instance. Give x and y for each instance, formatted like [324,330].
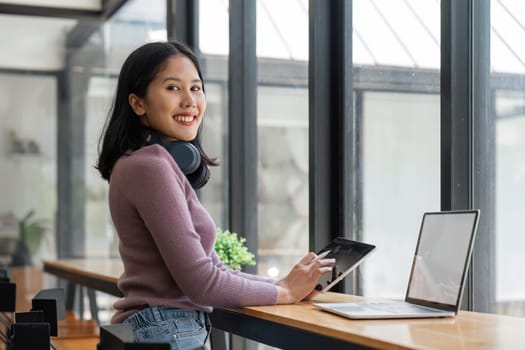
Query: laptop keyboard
[382,307]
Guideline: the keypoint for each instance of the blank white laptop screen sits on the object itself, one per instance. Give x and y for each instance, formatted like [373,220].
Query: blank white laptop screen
[441,255]
[438,272]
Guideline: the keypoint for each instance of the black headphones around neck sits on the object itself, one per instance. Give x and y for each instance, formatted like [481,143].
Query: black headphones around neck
[186,155]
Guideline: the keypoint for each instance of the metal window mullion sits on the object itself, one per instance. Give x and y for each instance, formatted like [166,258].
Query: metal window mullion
[71,189]
[64,160]
[347,165]
[72,96]
[243,122]
[321,225]
[355,176]
[110,7]
[465,126]
[330,121]
[456,105]
[183,22]
[484,163]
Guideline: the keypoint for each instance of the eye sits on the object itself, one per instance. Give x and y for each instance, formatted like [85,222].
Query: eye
[196,88]
[173,88]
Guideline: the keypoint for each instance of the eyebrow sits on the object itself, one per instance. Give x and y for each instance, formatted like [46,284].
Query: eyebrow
[179,80]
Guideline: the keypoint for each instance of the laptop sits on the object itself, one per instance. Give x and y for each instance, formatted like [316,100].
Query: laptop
[437,276]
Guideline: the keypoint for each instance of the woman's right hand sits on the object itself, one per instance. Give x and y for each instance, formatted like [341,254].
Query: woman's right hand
[302,279]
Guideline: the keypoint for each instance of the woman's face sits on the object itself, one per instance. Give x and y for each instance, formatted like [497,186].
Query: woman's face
[174,104]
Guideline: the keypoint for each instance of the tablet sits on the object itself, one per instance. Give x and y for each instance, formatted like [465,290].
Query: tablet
[348,255]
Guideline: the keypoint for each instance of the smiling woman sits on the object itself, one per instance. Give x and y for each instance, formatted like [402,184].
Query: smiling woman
[173,276]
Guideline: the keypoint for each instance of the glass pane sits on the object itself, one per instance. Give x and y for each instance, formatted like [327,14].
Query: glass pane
[214,134]
[28,167]
[508,84]
[401,177]
[101,237]
[282,127]
[214,27]
[510,188]
[397,107]
[29,109]
[214,47]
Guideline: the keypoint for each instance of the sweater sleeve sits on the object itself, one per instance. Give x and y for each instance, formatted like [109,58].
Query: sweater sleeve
[156,189]
[221,265]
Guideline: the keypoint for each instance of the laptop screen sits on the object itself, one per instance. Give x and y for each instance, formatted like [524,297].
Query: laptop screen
[442,255]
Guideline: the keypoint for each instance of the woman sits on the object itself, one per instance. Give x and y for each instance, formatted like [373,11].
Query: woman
[172,275]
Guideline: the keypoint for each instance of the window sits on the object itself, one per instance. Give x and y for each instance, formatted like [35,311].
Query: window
[508,86]
[282,134]
[396,53]
[214,47]
[28,164]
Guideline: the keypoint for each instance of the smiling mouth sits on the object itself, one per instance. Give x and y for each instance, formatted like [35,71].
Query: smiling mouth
[184,118]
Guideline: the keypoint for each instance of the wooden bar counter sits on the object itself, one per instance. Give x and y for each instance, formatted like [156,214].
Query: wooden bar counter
[305,326]
[468,330]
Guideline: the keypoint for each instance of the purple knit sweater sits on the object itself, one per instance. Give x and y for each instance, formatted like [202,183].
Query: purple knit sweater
[167,242]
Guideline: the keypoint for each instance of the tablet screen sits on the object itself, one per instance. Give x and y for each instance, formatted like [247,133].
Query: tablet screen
[348,255]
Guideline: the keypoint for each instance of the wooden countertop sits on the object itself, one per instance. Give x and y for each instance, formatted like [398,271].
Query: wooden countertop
[468,330]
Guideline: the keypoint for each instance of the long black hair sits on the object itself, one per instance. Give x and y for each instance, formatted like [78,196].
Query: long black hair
[123,131]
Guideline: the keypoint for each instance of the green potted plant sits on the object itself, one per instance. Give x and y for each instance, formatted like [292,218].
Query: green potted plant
[232,250]
[31,233]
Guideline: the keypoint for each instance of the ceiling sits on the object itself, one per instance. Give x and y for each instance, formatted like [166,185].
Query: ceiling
[402,33]
[33,33]
[95,5]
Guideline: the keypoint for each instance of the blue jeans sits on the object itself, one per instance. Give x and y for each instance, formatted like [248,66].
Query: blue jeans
[183,329]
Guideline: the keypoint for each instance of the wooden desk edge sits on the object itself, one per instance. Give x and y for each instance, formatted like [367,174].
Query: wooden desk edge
[281,318]
[107,284]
